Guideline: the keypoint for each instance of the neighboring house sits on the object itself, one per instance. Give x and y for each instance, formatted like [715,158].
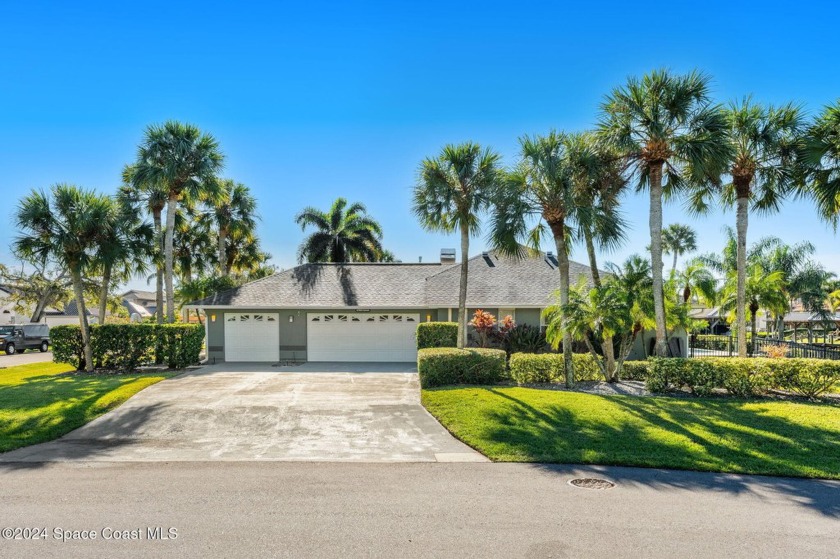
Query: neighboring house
[140,303]
[370,311]
[7,306]
[70,315]
[717,324]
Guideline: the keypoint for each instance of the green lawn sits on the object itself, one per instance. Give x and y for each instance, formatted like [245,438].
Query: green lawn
[42,401]
[745,436]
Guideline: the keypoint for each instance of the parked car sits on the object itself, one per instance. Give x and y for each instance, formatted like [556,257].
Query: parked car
[20,337]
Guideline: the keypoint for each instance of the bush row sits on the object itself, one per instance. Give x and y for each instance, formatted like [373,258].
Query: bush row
[437,334]
[744,376]
[447,365]
[127,346]
[548,367]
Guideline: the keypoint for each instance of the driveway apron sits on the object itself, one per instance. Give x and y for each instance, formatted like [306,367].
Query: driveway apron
[358,412]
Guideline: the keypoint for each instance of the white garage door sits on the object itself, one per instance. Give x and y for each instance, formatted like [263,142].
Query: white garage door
[361,337]
[252,337]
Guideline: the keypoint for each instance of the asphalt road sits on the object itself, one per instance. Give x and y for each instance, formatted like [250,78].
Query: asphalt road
[282,509]
[29,356]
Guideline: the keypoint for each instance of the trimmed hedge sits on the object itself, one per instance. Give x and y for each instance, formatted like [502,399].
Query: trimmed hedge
[125,347]
[635,370]
[526,368]
[744,376]
[445,366]
[437,334]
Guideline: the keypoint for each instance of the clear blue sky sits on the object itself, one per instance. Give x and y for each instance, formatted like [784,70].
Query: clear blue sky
[316,100]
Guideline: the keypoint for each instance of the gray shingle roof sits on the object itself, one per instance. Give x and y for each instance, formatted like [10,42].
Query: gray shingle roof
[494,281]
[333,285]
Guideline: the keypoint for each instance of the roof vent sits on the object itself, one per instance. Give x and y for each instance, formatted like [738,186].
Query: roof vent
[550,259]
[447,256]
[486,256]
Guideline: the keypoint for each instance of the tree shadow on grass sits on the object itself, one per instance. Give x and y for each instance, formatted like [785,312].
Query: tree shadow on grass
[42,408]
[89,442]
[693,435]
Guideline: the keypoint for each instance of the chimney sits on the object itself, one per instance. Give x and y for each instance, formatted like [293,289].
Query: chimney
[447,256]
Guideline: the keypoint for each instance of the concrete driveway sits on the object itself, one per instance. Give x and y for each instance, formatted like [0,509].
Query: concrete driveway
[235,412]
[30,356]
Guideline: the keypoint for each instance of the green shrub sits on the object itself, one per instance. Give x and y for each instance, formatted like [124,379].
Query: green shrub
[743,376]
[526,368]
[66,345]
[122,346]
[445,366]
[808,377]
[437,334]
[635,370]
[181,343]
[127,346]
[524,338]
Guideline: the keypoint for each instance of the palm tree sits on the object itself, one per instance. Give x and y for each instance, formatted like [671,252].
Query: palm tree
[67,227]
[596,314]
[678,239]
[764,290]
[599,181]
[764,166]
[668,130]
[696,279]
[185,161]
[126,247]
[244,254]
[195,245]
[343,234]
[153,197]
[232,210]
[541,189]
[452,191]
[823,159]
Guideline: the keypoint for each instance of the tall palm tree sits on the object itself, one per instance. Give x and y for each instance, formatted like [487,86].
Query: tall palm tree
[233,210]
[671,135]
[186,161]
[823,159]
[67,227]
[125,249]
[344,233]
[678,239]
[452,191]
[599,182]
[543,189]
[153,197]
[764,166]
[244,254]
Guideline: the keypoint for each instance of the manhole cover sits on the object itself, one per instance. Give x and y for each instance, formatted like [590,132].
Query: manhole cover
[592,483]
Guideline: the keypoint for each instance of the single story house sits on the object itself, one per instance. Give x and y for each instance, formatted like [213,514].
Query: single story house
[139,304]
[370,311]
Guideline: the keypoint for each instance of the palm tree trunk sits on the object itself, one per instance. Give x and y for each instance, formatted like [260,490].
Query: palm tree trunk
[656,257]
[462,291]
[609,351]
[559,231]
[103,292]
[741,296]
[171,207]
[79,291]
[590,251]
[158,269]
[674,265]
[222,256]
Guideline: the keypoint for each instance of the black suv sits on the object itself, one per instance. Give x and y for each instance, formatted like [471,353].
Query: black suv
[20,337]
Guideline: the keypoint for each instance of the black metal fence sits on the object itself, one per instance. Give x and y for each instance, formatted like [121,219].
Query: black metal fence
[705,345]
